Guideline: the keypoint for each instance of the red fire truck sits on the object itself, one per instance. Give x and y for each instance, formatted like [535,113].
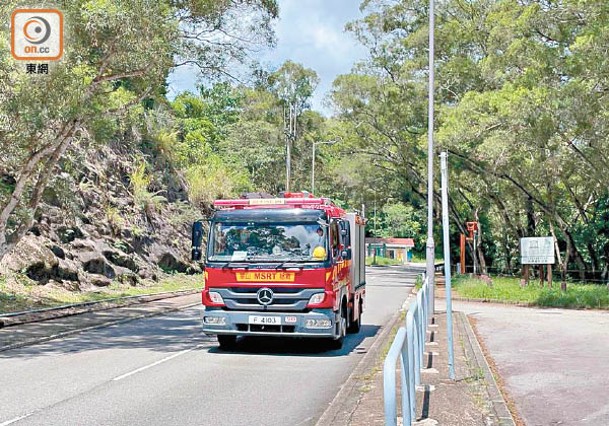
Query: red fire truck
[289,266]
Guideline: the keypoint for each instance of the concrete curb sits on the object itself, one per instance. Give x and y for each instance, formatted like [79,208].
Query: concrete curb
[39,315]
[498,301]
[347,399]
[94,327]
[497,405]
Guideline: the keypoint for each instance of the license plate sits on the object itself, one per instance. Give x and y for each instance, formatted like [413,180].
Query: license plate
[263,320]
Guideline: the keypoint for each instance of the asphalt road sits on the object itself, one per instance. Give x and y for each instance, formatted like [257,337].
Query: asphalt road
[162,370]
[555,362]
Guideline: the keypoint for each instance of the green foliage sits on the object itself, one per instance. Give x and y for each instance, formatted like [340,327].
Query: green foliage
[184,213]
[401,220]
[166,142]
[213,180]
[257,147]
[146,200]
[231,139]
[381,261]
[19,295]
[219,35]
[294,85]
[521,112]
[114,219]
[117,58]
[577,296]
[418,282]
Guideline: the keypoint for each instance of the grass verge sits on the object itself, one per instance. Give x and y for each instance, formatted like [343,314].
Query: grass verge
[18,293]
[577,296]
[382,261]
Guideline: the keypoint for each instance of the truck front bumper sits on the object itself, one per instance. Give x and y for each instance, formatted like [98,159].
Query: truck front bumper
[317,323]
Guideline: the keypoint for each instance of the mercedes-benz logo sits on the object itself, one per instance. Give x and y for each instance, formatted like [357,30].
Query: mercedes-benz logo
[265,296]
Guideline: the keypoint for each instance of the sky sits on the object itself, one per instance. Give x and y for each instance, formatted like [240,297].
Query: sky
[310,32]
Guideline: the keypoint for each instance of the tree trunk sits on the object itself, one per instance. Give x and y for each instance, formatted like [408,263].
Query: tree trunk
[593,257]
[56,149]
[561,265]
[581,265]
[530,217]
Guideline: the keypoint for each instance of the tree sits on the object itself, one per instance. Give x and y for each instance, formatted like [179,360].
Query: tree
[107,69]
[118,55]
[400,220]
[293,85]
[521,110]
[216,35]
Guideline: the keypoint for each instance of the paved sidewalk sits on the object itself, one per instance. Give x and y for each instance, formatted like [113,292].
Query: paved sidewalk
[25,334]
[466,401]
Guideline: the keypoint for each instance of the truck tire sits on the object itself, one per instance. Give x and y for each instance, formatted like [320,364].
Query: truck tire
[356,324]
[227,342]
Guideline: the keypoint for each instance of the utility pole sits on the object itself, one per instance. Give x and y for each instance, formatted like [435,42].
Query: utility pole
[313,170]
[288,165]
[430,269]
[375,234]
[290,136]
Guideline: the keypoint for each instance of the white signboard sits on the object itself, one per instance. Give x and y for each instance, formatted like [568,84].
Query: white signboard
[537,251]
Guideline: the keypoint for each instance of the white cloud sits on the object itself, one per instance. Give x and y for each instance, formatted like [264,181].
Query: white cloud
[312,32]
[326,38]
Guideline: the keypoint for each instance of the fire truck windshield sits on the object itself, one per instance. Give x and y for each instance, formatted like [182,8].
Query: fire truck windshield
[261,242]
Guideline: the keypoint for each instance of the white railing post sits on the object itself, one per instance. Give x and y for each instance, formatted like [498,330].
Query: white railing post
[408,347]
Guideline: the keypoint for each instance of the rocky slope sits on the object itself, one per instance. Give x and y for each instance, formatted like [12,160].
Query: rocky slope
[112,214]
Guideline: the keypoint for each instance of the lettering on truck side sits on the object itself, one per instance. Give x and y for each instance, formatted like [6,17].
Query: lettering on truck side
[265,276]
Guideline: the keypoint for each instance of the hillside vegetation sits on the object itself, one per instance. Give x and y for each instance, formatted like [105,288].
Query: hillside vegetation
[101,173]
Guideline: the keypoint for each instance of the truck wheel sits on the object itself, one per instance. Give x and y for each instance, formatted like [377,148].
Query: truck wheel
[356,325]
[342,329]
[227,342]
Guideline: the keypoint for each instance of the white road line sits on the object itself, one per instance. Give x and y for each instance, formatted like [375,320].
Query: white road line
[307,420]
[146,367]
[16,419]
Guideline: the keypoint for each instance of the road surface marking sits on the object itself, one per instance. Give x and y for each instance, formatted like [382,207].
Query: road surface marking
[16,419]
[146,367]
[307,420]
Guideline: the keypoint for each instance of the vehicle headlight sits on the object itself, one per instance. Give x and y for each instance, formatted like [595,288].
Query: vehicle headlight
[214,320]
[317,298]
[215,297]
[318,323]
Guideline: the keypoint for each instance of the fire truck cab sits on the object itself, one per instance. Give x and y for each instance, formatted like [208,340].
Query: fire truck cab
[289,266]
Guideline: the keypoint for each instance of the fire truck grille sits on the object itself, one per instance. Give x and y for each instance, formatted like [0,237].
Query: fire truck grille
[285,299]
[266,328]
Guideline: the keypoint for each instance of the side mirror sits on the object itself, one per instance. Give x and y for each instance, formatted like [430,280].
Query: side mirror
[197,241]
[346,254]
[343,232]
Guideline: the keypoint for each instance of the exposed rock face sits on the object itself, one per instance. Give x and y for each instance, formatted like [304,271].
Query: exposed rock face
[92,229]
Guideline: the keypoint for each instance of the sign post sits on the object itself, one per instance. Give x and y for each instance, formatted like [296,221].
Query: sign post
[537,251]
[472,229]
[446,241]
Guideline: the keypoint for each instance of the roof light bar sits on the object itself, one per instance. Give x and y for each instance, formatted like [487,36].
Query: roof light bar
[277,202]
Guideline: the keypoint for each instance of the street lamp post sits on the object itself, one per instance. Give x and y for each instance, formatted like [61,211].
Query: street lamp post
[313,162]
[430,269]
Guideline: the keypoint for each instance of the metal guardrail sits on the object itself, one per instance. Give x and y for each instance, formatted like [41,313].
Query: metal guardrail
[407,347]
